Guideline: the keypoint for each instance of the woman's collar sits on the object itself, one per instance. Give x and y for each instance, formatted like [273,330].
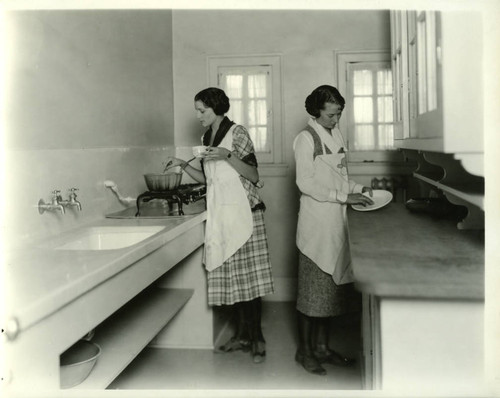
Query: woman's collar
[224,127]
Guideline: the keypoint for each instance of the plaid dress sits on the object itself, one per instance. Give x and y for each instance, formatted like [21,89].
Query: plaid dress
[246,275]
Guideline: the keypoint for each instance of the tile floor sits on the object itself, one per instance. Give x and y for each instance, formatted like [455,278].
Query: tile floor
[182,369]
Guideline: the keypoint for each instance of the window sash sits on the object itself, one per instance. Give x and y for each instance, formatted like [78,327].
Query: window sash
[250,94]
[274,133]
[369,107]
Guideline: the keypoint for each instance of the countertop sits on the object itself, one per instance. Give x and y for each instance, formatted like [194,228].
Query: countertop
[397,253]
[40,280]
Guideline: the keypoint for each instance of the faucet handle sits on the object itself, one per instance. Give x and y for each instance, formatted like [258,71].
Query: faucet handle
[72,192]
[56,196]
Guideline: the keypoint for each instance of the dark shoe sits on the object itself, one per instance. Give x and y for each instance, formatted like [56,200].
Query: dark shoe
[333,358]
[310,363]
[234,344]
[258,351]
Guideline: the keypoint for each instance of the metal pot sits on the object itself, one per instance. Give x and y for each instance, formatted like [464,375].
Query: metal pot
[163,182]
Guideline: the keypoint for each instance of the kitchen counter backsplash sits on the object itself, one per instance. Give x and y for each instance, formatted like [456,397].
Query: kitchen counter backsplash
[36,173]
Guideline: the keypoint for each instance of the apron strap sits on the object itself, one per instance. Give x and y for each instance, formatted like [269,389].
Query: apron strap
[318,144]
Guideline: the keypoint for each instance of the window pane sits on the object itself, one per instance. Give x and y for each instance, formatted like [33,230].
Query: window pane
[385,136]
[257,112]
[362,82]
[384,81]
[257,85]
[384,105]
[363,110]
[259,138]
[233,86]
[235,112]
[363,137]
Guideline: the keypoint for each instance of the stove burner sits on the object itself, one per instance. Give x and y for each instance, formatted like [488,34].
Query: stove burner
[184,194]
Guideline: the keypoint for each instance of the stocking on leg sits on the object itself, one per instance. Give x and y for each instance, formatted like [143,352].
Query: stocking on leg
[304,355]
[256,335]
[240,340]
[321,349]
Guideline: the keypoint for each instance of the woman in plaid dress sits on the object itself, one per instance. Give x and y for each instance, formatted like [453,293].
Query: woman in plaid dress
[236,250]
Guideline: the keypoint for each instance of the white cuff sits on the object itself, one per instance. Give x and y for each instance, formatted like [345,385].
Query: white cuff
[340,196]
[358,188]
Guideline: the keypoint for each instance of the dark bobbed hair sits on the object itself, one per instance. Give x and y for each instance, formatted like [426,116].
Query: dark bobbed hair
[214,98]
[316,101]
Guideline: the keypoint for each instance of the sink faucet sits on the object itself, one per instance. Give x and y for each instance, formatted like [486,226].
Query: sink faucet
[72,200]
[53,205]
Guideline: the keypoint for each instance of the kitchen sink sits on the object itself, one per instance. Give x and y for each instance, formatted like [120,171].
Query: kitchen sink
[105,237]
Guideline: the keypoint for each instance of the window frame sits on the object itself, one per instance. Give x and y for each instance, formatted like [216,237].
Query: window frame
[215,62]
[375,123]
[343,59]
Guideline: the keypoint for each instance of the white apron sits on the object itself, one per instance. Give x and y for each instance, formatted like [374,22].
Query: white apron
[322,232]
[229,217]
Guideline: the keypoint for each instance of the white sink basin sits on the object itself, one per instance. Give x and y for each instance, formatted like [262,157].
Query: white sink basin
[106,238]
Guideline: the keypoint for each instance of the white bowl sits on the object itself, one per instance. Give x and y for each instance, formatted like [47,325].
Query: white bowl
[77,362]
[199,151]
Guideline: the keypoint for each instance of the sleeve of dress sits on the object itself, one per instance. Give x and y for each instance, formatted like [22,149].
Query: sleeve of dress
[303,147]
[243,146]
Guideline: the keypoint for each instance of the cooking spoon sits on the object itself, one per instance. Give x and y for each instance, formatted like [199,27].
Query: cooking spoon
[169,164]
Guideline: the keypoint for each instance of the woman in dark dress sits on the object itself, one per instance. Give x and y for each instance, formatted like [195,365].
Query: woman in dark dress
[325,287]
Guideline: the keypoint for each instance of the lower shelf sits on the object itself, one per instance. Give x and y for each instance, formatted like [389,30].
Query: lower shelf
[125,334]
[467,195]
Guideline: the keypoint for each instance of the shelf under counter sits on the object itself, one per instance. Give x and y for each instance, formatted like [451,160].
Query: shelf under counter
[397,253]
[469,194]
[121,337]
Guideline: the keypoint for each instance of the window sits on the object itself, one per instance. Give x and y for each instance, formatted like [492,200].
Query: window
[253,87]
[249,92]
[370,101]
[365,81]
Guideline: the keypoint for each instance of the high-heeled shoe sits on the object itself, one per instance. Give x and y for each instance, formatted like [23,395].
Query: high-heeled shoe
[333,358]
[258,351]
[310,363]
[234,344]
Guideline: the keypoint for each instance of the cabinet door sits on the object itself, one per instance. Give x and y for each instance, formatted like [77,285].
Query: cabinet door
[399,64]
[437,63]
[426,97]
[418,79]
[372,370]
[462,49]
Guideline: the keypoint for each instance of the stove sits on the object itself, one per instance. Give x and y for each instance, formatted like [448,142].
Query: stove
[173,202]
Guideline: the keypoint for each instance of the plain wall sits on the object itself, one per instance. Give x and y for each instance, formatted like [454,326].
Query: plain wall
[88,78]
[89,97]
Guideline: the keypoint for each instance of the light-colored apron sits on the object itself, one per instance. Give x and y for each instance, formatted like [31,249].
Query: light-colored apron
[322,233]
[229,217]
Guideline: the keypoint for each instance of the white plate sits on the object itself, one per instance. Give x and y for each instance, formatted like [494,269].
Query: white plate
[380,199]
